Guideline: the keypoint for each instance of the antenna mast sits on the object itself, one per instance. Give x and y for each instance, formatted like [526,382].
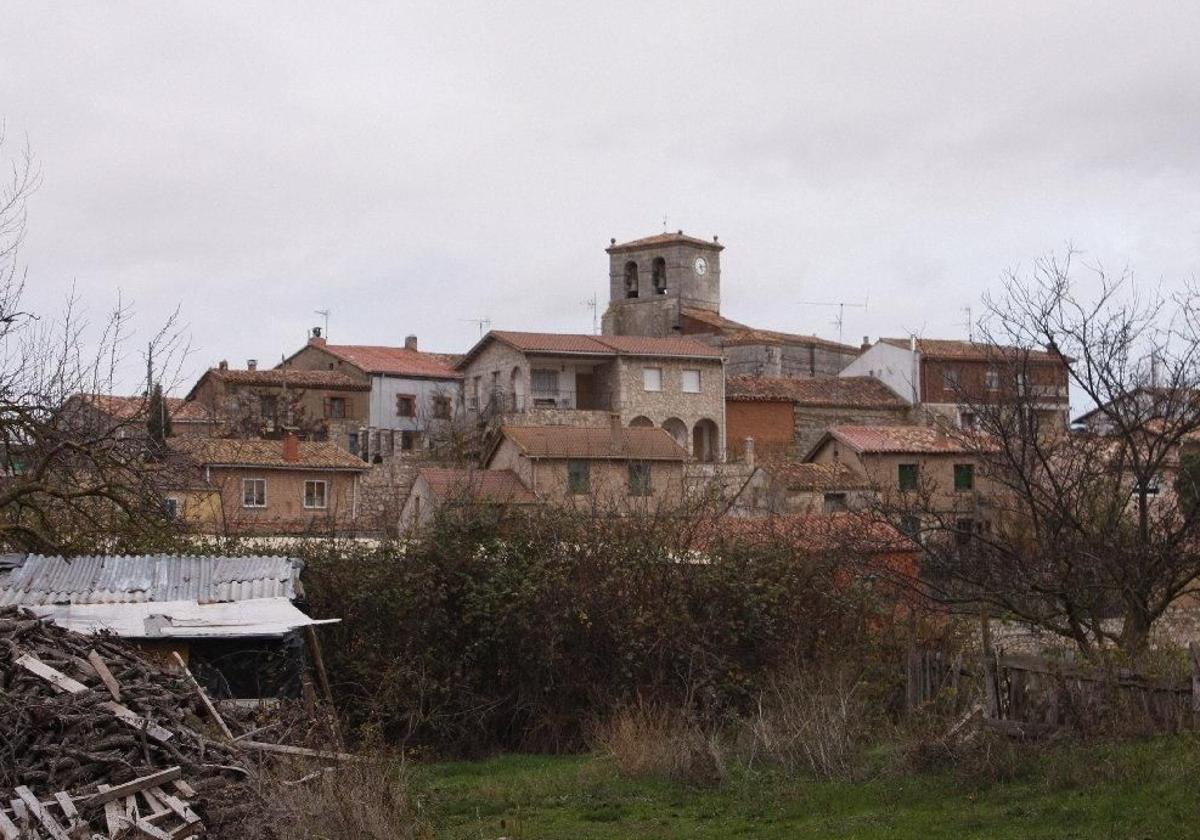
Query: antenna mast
[484,324]
[839,320]
[593,304]
[969,324]
[324,313]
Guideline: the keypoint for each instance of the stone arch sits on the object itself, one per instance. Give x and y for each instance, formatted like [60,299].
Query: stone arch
[641,422]
[631,279]
[658,275]
[677,429]
[705,441]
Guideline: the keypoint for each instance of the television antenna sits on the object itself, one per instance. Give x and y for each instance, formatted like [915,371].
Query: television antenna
[324,313]
[839,320]
[593,304]
[484,324]
[969,324]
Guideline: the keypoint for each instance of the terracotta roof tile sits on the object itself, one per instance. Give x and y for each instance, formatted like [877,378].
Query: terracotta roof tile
[941,349]
[851,533]
[129,408]
[678,238]
[798,475]
[642,444]
[293,377]
[898,439]
[394,361]
[734,334]
[482,485]
[257,452]
[827,391]
[597,345]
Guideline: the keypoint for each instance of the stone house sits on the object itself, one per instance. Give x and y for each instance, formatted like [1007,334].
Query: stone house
[318,404]
[917,466]
[949,381]
[788,416]
[670,284]
[126,417]
[412,393]
[613,468]
[811,489]
[435,487]
[257,486]
[671,382]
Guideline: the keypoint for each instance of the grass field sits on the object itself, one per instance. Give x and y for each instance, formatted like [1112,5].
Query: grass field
[1148,789]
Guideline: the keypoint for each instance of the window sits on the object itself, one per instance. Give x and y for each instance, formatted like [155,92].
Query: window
[966,420]
[1021,383]
[442,407]
[315,494]
[639,479]
[964,529]
[907,476]
[658,275]
[691,381]
[992,379]
[950,378]
[171,508]
[835,503]
[254,492]
[544,380]
[652,379]
[406,440]
[352,443]
[631,279]
[579,477]
[910,524]
[406,405]
[964,476]
[335,408]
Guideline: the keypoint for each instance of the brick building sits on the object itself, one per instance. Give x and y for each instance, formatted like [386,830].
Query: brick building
[788,416]
[951,380]
[671,382]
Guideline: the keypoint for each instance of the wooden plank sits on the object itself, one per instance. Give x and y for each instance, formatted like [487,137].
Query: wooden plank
[68,808]
[148,829]
[176,804]
[314,648]
[41,814]
[184,788]
[138,722]
[53,676]
[108,793]
[24,821]
[156,807]
[212,710]
[287,749]
[114,817]
[105,675]
[8,829]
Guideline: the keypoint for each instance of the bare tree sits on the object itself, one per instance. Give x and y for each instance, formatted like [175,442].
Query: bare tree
[71,478]
[1084,535]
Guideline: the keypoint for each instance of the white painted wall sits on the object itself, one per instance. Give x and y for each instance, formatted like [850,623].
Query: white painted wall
[384,390]
[896,367]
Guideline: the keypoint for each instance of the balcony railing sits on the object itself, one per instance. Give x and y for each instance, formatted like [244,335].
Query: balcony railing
[508,402]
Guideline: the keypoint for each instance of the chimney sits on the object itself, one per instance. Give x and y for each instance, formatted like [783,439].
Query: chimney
[223,365]
[291,448]
[315,339]
[410,342]
[252,364]
[614,424]
[748,451]
[866,345]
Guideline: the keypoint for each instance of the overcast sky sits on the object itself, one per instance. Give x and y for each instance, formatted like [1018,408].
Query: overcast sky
[413,167]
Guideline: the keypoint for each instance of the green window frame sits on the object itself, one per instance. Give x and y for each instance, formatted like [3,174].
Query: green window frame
[964,476]
[579,477]
[906,476]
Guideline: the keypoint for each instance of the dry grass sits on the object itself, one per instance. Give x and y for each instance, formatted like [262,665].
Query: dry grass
[647,740]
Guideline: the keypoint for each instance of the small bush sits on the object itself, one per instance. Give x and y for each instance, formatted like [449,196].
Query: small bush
[645,740]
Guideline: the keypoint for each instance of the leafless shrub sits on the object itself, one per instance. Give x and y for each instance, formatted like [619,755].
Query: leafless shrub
[648,740]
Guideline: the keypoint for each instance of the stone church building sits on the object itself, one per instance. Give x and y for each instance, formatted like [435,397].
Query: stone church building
[670,284]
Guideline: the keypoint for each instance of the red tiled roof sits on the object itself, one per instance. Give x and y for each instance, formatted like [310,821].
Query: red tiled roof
[636,443]
[734,334]
[121,408]
[257,452]
[942,349]
[678,238]
[898,439]
[481,485]
[292,377]
[597,345]
[797,475]
[394,361]
[826,391]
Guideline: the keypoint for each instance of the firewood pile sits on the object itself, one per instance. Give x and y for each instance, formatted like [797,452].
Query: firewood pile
[97,742]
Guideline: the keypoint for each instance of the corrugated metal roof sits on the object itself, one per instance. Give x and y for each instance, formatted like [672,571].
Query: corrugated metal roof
[38,579]
[181,619]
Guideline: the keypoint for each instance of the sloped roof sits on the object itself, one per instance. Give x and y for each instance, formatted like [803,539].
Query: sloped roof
[734,333]
[260,617]
[949,350]
[395,361]
[481,485]
[897,440]
[39,579]
[801,476]
[122,408]
[256,452]
[331,380]
[822,392]
[597,345]
[630,443]
[677,238]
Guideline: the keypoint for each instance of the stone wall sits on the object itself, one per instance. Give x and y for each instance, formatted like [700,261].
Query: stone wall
[671,403]
[811,423]
[797,361]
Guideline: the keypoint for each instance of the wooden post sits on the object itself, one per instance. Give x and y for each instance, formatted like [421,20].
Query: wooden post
[314,649]
[212,710]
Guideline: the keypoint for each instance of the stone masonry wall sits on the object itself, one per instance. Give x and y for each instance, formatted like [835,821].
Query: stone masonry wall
[671,401]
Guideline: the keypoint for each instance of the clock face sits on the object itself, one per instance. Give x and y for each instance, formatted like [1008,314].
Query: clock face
[701,266]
